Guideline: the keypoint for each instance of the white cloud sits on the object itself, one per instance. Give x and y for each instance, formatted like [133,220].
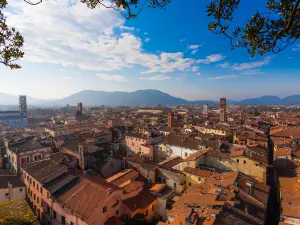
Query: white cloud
[195,68]
[297,48]
[222,77]
[147,39]
[68,33]
[198,74]
[211,59]
[224,65]
[169,62]
[156,78]
[112,77]
[127,28]
[182,40]
[252,65]
[251,72]
[194,51]
[146,33]
[193,46]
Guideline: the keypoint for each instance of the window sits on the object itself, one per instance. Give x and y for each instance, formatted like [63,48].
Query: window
[53,214]
[71,223]
[185,154]
[38,200]
[244,161]
[174,185]
[199,179]
[117,212]
[41,190]
[237,160]
[152,207]
[33,184]
[104,209]
[34,196]
[190,184]
[21,189]
[63,220]
[37,186]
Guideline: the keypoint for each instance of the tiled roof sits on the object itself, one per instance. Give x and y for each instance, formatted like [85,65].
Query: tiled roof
[234,216]
[121,177]
[140,201]
[186,142]
[82,196]
[45,170]
[12,179]
[288,133]
[198,172]
[196,155]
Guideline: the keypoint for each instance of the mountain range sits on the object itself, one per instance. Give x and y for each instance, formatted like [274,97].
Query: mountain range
[140,97]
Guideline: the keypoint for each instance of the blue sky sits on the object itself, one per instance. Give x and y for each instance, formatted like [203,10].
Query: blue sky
[70,48]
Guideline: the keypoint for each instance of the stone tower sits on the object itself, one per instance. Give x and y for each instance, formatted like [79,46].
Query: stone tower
[223,118]
[23,105]
[170,120]
[79,107]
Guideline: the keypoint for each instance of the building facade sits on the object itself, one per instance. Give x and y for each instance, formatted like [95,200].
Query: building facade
[16,119]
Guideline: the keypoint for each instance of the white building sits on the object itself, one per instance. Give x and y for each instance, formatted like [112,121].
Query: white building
[11,187]
[16,119]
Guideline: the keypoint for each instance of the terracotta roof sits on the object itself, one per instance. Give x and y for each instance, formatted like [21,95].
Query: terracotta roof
[82,196]
[186,142]
[196,155]
[121,177]
[14,180]
[171,162]
[59,182]
[198,172]
[233,216]
[288,133]
[140,201]
[134,185]
[44,170]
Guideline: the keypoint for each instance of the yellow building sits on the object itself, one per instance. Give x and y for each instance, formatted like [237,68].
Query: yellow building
[142,205]
[212,130]
[253,164]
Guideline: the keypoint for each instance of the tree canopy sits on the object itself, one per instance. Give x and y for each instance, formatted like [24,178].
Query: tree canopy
[269,31]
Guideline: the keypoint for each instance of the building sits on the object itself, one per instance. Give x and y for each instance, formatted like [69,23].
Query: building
[182,146]
[58,197]
[223,116]
[205,110]
[26,150]
[16,119]
[11,187]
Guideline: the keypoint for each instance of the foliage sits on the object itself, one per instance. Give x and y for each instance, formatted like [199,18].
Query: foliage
[17,213]
[269,31]
[11,42]
[272,30]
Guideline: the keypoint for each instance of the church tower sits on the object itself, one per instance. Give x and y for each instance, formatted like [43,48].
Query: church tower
[223,118]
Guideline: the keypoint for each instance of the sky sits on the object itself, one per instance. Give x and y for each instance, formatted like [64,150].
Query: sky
[70,48]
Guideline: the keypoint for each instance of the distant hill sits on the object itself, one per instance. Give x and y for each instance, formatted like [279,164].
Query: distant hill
[141,97]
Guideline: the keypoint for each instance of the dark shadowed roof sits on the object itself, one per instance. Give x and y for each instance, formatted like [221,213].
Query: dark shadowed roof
[140,201]
[45,170]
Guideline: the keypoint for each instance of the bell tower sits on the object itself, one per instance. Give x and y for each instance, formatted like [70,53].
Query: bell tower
[223,118]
